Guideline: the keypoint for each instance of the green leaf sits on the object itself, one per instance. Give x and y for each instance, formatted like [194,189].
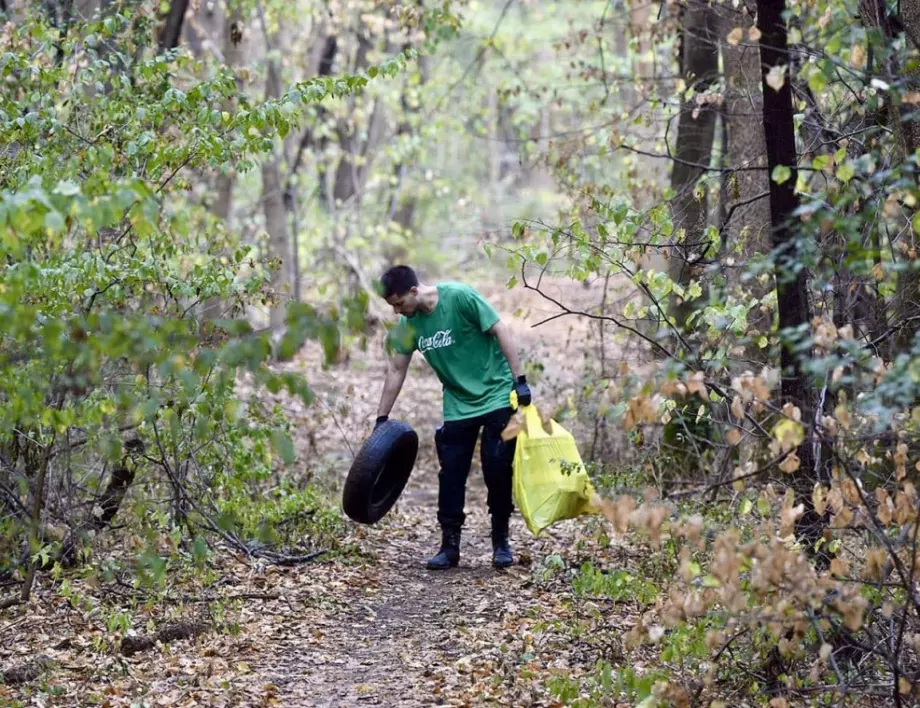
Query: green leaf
[54,221]
[746,507]
[711,581]
[282,445]
[846,171]
[817,81]
[915,222]
[781,174]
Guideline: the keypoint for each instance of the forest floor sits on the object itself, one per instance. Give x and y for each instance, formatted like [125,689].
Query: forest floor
[368,627]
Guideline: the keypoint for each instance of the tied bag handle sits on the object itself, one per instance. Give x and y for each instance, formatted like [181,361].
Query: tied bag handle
[533,423]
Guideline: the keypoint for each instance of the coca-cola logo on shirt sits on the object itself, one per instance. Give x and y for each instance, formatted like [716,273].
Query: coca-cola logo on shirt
[438,340]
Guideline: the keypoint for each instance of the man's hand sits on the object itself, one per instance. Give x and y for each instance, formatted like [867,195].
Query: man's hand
[522,390]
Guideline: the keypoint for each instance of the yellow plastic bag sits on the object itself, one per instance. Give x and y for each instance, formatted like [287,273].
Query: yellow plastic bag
[549,482]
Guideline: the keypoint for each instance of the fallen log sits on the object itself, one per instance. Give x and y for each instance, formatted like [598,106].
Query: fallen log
[28,671]
[170,633]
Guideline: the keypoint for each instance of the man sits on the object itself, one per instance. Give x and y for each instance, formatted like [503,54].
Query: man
[473,355]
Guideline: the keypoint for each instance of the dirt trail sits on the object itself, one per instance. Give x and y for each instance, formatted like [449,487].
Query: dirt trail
[398,634]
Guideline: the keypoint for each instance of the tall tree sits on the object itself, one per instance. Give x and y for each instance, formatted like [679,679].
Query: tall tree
[276,220]
[746,228]
[171,32]
[356,154]
[902,120]
[699,65]
[790,273]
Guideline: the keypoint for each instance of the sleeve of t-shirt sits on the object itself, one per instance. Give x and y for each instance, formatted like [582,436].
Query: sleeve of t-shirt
[401,338]
[475,307]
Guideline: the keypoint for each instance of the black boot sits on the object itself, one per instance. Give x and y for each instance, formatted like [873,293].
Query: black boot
[449,555]
[501,551]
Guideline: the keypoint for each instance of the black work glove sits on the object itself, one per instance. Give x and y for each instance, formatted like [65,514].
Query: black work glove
[522,390]
[380,420]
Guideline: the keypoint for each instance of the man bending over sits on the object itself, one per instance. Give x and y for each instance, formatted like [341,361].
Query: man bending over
[473,354]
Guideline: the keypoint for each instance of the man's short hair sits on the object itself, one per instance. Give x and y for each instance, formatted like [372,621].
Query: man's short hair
[397,280]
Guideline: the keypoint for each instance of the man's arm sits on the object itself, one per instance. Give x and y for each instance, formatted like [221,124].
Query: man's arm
[392,385]
[506,342]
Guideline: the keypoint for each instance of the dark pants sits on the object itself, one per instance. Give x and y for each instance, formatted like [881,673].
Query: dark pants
[456,442]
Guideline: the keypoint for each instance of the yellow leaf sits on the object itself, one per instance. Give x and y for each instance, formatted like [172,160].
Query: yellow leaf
[776,77]
[858,56]
[843,416]
[733,437]
[789,433]
[754,34]
[819,499]
[735,36]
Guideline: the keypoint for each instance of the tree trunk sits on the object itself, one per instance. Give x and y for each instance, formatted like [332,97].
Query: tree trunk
[354,164]
[791,278]
[211,29]
[696,128]
[403,204]
[874,14]
[746,230]
[108,504]
[322,58]
[279,245]
[172,29]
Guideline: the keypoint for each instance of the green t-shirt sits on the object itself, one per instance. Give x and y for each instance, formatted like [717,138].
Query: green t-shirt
[454,341]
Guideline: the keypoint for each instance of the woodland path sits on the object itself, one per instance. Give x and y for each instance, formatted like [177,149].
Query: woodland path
[397,634]
[370,626]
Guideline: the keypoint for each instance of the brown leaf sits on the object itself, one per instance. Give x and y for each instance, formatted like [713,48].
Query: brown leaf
[840,567]
[737,408]
[875,563]
[511,430]
[791,463]
[695,384]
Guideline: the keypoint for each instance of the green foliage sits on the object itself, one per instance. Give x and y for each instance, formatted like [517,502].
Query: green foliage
[619,585]
[625,683]
[106,262]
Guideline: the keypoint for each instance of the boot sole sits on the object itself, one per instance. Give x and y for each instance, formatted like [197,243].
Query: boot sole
[453,564]
[502,565]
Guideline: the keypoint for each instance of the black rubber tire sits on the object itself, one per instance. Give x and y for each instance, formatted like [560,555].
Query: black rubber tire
[379,472]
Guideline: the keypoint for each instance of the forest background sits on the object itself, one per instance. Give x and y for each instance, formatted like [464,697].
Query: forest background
[701,216]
